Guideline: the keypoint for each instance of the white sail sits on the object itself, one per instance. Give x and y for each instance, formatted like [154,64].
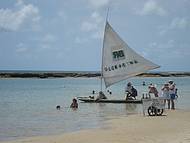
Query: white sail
[120,62]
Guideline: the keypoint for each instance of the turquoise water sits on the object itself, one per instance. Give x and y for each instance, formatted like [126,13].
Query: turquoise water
[27,106]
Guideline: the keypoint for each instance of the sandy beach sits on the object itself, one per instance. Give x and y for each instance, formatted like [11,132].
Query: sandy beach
[173,126]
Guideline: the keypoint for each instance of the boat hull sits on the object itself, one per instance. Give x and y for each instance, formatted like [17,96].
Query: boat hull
[109,101]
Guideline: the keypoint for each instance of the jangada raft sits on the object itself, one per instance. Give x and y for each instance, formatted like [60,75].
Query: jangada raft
[119,62]
[86,99]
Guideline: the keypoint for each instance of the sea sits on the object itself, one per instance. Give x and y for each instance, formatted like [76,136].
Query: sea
[28,105]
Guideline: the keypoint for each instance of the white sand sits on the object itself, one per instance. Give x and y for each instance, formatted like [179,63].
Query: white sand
[172,128]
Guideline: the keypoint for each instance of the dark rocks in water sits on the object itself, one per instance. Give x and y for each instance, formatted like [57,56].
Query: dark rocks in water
[43,75]
[47,74]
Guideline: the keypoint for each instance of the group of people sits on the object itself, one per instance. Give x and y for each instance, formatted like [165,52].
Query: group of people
[74,105]
[169,92]
[101,95]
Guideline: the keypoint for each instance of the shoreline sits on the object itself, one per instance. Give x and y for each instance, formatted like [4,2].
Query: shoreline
[44,75]
[174,127]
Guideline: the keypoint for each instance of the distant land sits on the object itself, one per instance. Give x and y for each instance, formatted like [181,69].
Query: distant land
[75,74]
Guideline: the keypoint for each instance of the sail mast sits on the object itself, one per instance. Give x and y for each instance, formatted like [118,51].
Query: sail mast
[103,48]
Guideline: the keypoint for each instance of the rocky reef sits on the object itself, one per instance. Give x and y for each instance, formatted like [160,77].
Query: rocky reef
[82,74]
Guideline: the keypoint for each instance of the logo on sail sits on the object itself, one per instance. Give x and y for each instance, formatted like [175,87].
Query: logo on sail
[122,65]
[118,55]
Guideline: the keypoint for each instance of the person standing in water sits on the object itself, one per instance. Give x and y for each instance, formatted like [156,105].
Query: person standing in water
[172,92]
[152,89]
[74,104]
[165,94]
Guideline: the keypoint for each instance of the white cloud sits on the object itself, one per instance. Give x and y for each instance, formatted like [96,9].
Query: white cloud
[45,46]
[21,47]
[94,26]
[49,38]
[98,3]
[96,17]
[47,42]
[152,7]
[97,34]
[62,15]
[154,44]
[88,26]
[179,23]
[80,40]
[167,50]
[13,19]
[92,23]
[169,45]
[176,23]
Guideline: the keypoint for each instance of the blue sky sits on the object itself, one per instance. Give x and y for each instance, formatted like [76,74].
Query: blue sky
[67,35]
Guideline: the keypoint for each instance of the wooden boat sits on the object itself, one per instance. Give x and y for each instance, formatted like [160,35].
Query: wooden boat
[119,62]
[89,100]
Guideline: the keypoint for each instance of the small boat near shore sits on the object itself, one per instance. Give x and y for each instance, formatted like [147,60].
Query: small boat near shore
[89,100]
[119,62]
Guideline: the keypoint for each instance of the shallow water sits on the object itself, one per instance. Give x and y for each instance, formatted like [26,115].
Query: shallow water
[27,106]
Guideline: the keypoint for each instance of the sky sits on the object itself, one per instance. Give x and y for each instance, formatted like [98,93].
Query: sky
[67,35]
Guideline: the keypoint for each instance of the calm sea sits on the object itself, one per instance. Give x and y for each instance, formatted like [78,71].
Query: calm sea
[27,106]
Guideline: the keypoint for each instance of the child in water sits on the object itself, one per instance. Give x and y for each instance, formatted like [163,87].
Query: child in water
[74,104]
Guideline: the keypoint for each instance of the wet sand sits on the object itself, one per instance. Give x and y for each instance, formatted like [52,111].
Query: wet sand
[173,127]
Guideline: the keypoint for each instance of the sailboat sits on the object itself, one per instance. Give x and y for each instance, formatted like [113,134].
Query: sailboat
[119,62]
